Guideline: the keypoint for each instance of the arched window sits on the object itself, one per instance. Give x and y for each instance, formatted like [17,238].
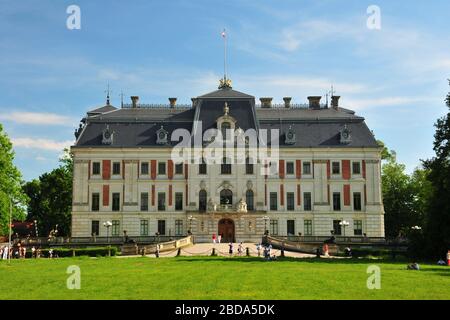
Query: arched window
[226,197]
[248,166]
[249,200]
[225,167]
[202,200]
[225,126]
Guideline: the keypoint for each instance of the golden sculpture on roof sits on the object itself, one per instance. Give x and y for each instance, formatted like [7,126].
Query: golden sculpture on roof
[224,83]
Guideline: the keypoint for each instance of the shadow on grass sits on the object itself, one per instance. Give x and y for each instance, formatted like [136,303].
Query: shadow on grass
[289,259]
[442,271]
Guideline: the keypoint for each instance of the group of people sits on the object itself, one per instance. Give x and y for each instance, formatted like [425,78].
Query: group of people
[19,252]
[217,239]
[267,251]
[239,250]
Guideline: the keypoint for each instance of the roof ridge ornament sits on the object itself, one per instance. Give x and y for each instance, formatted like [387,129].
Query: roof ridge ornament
[225,83]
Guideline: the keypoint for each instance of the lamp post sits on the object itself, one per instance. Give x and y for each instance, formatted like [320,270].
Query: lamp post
[107,224]
[157,244]
[265,218]
[190,218]
[35,229]
[344,224]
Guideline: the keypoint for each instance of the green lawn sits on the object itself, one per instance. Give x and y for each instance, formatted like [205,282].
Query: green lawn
[219,278]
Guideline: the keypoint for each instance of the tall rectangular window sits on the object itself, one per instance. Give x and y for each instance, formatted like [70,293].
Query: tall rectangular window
[357,201]
[162,227]
[307,205]
[202,167]
[161,168]
[290,224]
[161,201]
[115,228]
[306,167]
[337,227]
[308,227]
[357,227]
[95,168]
[144,201]
[274,227]
[225,167]
[356,167]
[95,227]
[248,166]
[116,168]
[144,168]
[289,168]
[273,201]
[179,168]
[336,168]
[95,201]
[290,197]
[144,228]
[116,201]
[178,227]
[178,201]
[336,201]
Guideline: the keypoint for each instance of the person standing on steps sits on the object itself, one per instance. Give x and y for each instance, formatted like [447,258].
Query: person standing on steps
[214,238]
[230,251]
[219,238]
[240,249]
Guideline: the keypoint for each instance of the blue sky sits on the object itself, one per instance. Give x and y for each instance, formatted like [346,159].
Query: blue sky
[50,76]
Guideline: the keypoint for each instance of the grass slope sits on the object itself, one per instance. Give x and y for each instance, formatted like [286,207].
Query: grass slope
[219,278]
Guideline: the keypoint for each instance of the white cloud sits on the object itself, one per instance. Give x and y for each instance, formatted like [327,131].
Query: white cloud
[43,144]
[37,118]
[311,32]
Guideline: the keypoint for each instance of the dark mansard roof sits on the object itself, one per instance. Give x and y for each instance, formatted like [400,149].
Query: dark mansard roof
[137,127]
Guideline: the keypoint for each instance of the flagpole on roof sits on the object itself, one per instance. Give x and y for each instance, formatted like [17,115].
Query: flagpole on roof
[224,35]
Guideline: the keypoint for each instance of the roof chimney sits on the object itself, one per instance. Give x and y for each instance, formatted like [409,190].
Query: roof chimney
[266,102]
[134,101]
[173,102]
[314,102]
[335,101]
[287,102]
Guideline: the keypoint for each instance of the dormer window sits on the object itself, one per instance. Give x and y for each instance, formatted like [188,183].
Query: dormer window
[108,136]
[161,136]
[345,135]
[226,122]
[290,136]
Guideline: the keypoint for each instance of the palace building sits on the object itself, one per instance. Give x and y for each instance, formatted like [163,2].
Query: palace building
[324,179]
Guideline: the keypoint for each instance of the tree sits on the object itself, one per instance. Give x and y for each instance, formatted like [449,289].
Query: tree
[437,228]
[398,199]
[385,153]
[50,198]
[10,185]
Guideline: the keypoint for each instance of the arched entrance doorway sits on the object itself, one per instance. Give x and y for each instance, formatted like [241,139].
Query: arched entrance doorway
[226,229]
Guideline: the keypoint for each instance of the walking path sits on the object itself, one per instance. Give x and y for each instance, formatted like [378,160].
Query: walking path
[205,249]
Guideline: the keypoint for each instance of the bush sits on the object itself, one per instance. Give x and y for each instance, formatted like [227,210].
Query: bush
[69,252]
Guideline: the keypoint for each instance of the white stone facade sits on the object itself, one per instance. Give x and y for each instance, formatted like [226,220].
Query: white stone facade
[322,185]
